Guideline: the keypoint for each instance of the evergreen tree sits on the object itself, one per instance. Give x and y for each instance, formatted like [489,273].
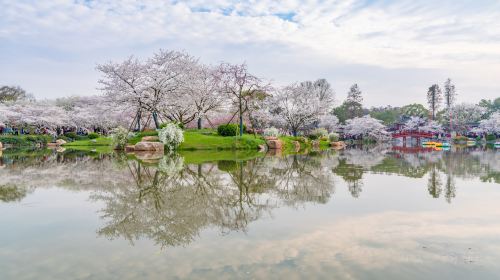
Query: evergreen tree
[353,104]
[449,94]
[434,97]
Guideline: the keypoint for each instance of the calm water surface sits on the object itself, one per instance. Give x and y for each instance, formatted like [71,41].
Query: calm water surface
[363,213]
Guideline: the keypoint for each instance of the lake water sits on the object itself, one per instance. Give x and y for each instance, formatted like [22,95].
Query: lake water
[363,213]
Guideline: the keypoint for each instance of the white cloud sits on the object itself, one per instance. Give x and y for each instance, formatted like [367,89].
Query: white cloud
[427,40]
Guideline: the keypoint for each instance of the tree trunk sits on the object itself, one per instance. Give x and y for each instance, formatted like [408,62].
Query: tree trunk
[139,120]
[199,123]
[241,119]
[155,118]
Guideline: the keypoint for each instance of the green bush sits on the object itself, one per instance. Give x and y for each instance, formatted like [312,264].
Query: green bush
[333,137]
[93,135]
[458,139]
[490,137]
[180,125]
[318,133]
[229,129]
[71,135]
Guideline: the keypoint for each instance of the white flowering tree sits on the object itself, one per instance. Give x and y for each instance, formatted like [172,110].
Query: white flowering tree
[299,107]
[414,123]
[240,85]
[432,127]
[464,115]
[366,127]
[329,122]
[39,114]
[124,84]
[171,136]
[96,112]
[491,125]
[166,75]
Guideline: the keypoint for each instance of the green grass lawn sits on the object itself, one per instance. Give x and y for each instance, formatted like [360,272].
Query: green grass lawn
[207,140]
[204,139]
[101,141]
[25,140]
[200,140]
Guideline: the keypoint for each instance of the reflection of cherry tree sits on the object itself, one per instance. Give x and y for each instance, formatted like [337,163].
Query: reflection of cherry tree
[301,178]
[173,207]
[434,184]
[352,163]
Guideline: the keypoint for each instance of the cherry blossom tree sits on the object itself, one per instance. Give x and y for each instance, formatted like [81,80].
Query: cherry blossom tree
[124,84]
[96,112]
[491,125]
[40,114]
[329,122]
[414,123]
[240,85]
[464,115]
[202,91]
[166,75]
[298,107]
[366,127]
[432,126]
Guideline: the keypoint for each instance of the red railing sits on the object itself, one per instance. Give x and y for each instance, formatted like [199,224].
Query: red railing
[414,134]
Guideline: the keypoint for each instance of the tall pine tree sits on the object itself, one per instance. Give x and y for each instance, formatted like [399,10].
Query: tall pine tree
[434,97]
[353,105]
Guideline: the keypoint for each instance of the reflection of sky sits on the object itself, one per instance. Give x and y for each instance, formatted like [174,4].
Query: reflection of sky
[393,230]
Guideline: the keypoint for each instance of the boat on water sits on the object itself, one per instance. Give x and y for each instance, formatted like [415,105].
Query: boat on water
[436,144]
[497,145]
[471,143]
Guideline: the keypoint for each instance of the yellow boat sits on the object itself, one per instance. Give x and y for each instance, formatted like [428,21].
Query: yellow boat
[442,144]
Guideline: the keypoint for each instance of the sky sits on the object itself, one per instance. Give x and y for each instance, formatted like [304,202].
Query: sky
[394,50]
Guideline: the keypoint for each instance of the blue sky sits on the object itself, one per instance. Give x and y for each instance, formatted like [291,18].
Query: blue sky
[394,50]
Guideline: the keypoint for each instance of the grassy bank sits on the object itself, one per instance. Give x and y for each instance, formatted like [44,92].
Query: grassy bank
[204,140]
[207,139]
[25,140]
[305,144]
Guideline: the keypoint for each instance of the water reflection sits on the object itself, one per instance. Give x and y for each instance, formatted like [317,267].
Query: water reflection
[171,201]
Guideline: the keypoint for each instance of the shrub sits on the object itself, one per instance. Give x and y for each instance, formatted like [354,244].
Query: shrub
[302,140]
[93,135]
[460,139]
[319,133]
[71,135]
[171,136]
[120,136]
[333,137]
[180,125]
[271,132]
[490,137]
[229,129]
